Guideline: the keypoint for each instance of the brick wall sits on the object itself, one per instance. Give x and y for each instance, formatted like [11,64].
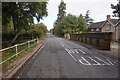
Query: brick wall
[99,40]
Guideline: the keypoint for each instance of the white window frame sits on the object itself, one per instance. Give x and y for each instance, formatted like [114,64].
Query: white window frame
[97,29]
[92,29]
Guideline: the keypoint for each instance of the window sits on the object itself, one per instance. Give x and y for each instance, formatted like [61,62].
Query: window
[97,29]
[107,28]
[92,29]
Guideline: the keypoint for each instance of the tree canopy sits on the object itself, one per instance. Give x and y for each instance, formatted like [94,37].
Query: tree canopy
[70,24]
[82,25]
[88,19]
[116,9]
[61,12]
[38,30]
[22,14]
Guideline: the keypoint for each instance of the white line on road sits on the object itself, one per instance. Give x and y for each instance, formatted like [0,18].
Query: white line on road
[71,55]
[110,62]
[87,63]
[72,51]
[95,61]
[102,61]
[62,44]
[81,51]
[76,51]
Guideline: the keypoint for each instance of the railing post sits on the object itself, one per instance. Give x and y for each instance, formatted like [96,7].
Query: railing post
[37,39]
[16,49]
[34,41]
[28,44]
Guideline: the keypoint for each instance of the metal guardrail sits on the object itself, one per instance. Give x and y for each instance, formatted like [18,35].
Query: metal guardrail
[10,52]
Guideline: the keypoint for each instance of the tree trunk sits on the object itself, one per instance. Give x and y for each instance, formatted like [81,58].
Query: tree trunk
[13,40]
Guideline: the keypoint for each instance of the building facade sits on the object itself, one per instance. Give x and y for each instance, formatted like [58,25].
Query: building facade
[109,25]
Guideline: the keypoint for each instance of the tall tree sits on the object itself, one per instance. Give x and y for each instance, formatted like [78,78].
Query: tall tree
[71,24]
[61,12]
[116,9]
[88,19]
[22,14]
[82,25]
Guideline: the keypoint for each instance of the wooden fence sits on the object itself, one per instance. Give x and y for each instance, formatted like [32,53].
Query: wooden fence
[14,51]
[99,40]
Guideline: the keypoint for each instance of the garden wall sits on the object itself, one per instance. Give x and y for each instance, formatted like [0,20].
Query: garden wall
[98,40]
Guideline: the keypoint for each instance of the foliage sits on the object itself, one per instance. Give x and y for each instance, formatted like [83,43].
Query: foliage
[61,13]
[70,24]
[116,9]
[38,30]
[82,25]
[88,19]
[22,14]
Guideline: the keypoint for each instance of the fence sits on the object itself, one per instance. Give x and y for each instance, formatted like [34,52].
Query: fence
[99,40]
[13,52]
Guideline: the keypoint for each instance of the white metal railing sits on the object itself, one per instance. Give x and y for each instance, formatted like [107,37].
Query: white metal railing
[30,43]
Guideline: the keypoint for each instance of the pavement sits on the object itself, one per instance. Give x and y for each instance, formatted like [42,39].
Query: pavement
[61,58]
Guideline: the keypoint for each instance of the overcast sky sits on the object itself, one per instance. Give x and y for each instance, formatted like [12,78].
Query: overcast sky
[98,9]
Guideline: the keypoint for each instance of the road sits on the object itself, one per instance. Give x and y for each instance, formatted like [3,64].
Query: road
[61,58]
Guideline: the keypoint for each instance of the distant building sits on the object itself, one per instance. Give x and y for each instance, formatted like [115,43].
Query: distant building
[109,25]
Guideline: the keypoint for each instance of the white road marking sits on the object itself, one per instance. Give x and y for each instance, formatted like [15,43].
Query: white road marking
[81,51]
[102,61]
[87,63]
[71,55]
[94,61]
[62,44]
[110,62]
[69,51]
[76,51]
[72,51]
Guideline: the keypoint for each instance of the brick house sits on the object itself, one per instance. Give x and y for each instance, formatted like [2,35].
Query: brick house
[109,25]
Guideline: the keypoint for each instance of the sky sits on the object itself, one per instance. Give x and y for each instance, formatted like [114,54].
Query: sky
[99,9]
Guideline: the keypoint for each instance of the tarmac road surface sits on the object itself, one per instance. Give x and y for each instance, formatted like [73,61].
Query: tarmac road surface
[61,58]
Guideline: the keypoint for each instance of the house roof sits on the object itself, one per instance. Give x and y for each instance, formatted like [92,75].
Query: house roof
[96,25]
[114,21]
[118,23]
[100,24]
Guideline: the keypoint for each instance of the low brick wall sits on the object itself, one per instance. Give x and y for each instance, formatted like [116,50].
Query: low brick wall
[99,40]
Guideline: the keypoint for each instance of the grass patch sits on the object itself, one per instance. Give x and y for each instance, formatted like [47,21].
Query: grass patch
[15,57]
[12,51]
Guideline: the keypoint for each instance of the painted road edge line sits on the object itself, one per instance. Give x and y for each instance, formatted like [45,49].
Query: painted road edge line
[38,51]
[71,55]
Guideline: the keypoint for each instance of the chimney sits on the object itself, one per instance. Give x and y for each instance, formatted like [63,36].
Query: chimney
[108,17]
